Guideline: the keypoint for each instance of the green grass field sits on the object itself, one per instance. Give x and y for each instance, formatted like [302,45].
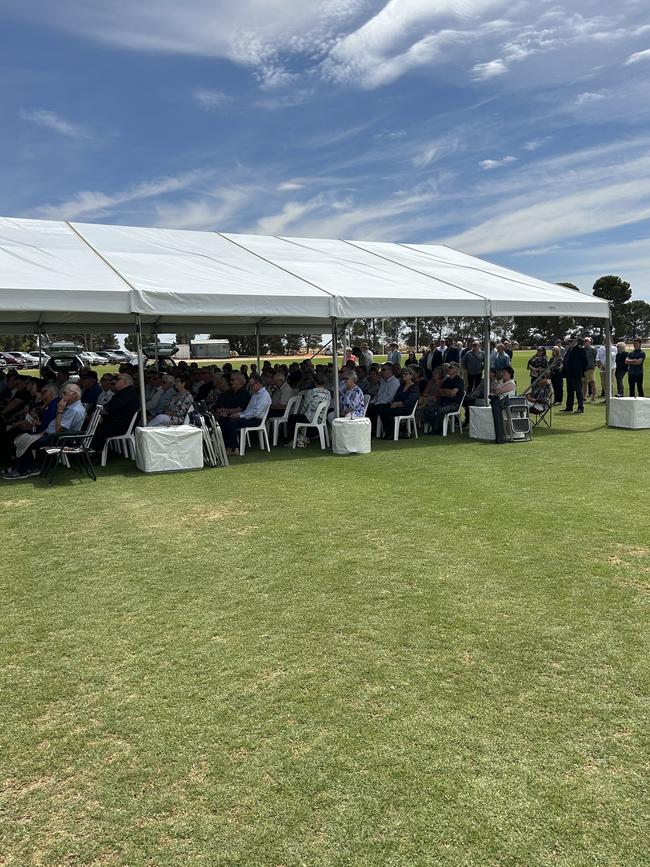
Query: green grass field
[435,654]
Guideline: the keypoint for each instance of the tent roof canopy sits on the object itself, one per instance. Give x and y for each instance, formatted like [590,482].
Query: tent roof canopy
[57,276]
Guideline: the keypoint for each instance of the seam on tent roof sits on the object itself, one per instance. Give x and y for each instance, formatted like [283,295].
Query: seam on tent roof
[433,256]
[275,264]
[422,273]
[97,253]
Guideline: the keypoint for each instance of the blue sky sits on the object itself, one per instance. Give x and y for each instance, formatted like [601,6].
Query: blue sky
[516,131]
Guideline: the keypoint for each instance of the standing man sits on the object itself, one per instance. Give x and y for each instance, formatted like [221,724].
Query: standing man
[601,364]
[575,365]
[589,378]
[634,362]
[394,355]
[451,353]
[472,364]
[367,356]
[433,359]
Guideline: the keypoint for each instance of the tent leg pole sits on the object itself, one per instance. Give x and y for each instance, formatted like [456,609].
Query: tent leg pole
[40,351]
[155,347]
[335,362]
[486,361]
[416,333]
[257,346]
[143,397]
[608,368]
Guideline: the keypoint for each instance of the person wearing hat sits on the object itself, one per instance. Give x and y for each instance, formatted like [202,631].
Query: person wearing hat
[90,389]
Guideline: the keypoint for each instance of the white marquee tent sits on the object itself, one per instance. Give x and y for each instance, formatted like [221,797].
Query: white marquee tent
[58,275]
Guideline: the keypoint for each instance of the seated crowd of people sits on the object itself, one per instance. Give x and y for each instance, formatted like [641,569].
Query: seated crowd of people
[35,411]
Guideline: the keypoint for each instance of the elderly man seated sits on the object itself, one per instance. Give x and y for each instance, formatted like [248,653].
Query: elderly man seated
[69,417]
[117,414]
[313,398]
[281,393]
[385,395]
[235,399]
[251,416]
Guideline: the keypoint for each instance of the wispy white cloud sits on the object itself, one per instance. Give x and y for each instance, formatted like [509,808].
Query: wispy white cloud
[289,186]
[51,120]
[490,69]
[486,165]
[638,56]
[92,204]
[211,100]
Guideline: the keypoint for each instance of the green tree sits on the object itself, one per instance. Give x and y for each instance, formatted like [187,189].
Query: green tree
[617,292]
[104,341]
[637,319]
[569,286]
[19,342]
[130,343]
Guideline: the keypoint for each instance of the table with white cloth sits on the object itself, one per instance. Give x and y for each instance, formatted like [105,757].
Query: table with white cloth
[168,449]
[351,436]
[481,423]
[630,412]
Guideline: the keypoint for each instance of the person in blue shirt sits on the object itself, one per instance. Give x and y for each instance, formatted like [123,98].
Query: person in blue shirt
[70,416]
[252,416]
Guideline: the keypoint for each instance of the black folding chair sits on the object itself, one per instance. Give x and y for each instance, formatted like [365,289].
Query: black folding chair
[71,450]
[541,412]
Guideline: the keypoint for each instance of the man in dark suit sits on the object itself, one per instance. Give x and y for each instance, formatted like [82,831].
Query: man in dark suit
[574,366]
[432,359]
[451,353]
[118,412]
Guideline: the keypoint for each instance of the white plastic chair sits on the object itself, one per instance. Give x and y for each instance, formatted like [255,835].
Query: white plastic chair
[276,421]
[411,426]
[366,401]
[453,417]
[262,434]
[124,443]
[319,421]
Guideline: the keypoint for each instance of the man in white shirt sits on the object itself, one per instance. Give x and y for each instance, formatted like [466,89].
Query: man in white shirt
[107,392]
[252,416]
[385,396]
[600,364]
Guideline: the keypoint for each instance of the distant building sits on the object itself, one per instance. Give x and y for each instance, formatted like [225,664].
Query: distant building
[210,349]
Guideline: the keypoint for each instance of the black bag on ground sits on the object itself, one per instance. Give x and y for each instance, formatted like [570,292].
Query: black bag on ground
[497,415]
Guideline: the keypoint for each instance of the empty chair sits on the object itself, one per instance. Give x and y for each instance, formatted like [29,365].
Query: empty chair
[124,443]
[276,421]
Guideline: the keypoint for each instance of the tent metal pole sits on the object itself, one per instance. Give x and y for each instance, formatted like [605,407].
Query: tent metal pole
[416,333]
[486,361]
[40,350]
[143,397]
[155,347]
[335,362]
[257,346]
[608,368]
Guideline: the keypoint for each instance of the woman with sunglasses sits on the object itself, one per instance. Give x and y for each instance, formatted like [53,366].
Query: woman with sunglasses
[351,403]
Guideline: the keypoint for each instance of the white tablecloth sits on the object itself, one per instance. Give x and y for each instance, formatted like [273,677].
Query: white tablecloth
[168,449]
[481,423]
[631,412]
[351,436]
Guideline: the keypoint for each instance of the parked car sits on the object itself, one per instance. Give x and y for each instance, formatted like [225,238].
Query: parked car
[9,360]
[123,356]
[109,356]
[91,358]
[24,357]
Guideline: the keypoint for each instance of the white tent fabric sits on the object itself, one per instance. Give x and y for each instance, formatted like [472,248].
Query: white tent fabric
[54,275]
